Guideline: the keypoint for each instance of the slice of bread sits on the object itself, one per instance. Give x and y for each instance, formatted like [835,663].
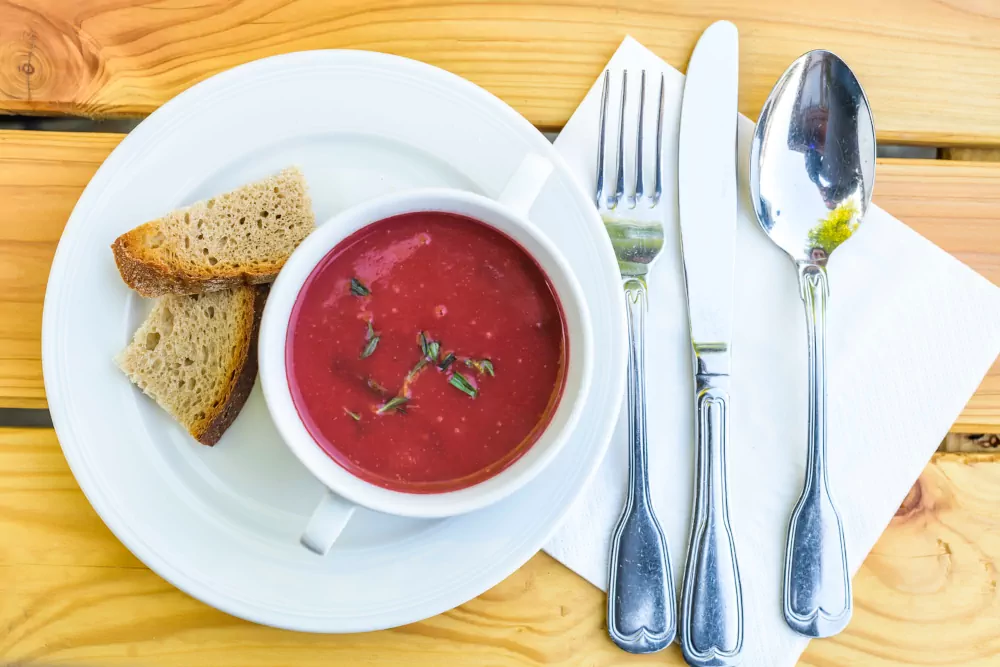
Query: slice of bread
[242,237]
[197,357]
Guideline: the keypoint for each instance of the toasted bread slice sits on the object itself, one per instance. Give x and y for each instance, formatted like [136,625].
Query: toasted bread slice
[197,357]
[242,237]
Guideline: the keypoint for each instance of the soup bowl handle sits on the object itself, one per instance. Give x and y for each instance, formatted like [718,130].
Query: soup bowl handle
[526,184]
[326,523]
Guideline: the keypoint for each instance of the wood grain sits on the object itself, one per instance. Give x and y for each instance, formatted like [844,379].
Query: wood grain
[956,205]
[927,593]
[70,593]
[42,174]
[928,65]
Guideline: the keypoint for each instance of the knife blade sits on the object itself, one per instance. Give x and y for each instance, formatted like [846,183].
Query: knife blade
[711,598]
[707,182]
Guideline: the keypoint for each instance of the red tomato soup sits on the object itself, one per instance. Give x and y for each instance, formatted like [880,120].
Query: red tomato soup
[426,352]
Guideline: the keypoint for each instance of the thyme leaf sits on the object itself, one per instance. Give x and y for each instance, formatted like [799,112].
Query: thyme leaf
[394,403]
[462,383]
[376,387]
[358,288]
[481,366]
[369,348]
[416,369]
[448,360]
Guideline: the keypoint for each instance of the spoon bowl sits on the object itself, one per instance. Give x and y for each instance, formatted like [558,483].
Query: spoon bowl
[812,160]
[812,168]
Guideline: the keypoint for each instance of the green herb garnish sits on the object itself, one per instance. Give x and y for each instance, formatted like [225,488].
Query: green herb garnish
[395,403]
[358,288]
[371,331]
[376,387]
[369,348]
[482,366]
[354,415]
[448,360]
[416,369]
[429,348]
[462,383]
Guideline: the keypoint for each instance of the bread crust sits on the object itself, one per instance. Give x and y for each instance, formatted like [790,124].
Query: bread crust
[150,277]
[238,389]
[249,233]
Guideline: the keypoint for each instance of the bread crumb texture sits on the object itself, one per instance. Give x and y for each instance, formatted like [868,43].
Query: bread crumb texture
[190,351]
[240,237]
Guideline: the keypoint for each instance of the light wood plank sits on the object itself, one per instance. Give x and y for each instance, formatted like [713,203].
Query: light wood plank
[954,204]
[21,383]
[70,593]
[928,65]
[927,594]
[42,174]
[957,206]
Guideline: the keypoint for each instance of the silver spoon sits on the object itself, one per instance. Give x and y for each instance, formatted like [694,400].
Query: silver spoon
[812,168]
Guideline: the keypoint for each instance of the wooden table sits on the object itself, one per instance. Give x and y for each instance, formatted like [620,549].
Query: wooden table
[71,594]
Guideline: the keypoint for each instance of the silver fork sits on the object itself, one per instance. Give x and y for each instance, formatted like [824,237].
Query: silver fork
[642,615]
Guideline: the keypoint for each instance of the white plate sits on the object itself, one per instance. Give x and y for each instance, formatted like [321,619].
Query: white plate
[223,523]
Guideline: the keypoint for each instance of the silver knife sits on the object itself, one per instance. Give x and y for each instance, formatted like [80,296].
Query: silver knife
[711,613]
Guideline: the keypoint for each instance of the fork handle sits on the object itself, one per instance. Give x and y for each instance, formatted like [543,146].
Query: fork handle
[641,601]
[712,599]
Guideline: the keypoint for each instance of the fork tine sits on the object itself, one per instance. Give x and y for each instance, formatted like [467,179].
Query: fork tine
[658,183]
[638,189]
[620,180]
[599,195]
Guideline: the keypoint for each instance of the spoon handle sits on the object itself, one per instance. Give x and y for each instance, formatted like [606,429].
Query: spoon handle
[711,633]
[817,591]
[641,602]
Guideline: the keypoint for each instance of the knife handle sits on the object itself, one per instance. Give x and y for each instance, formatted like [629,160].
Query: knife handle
[712,599]
[817,590]
[642,615]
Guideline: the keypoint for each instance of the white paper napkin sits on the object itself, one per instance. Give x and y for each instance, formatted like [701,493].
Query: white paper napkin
[912,332]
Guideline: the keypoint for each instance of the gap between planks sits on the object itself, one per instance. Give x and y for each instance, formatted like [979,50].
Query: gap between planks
[953,442]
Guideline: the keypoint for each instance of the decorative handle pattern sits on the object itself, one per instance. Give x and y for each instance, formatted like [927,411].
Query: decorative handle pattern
[817,590]
[712,597]
[641,610]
